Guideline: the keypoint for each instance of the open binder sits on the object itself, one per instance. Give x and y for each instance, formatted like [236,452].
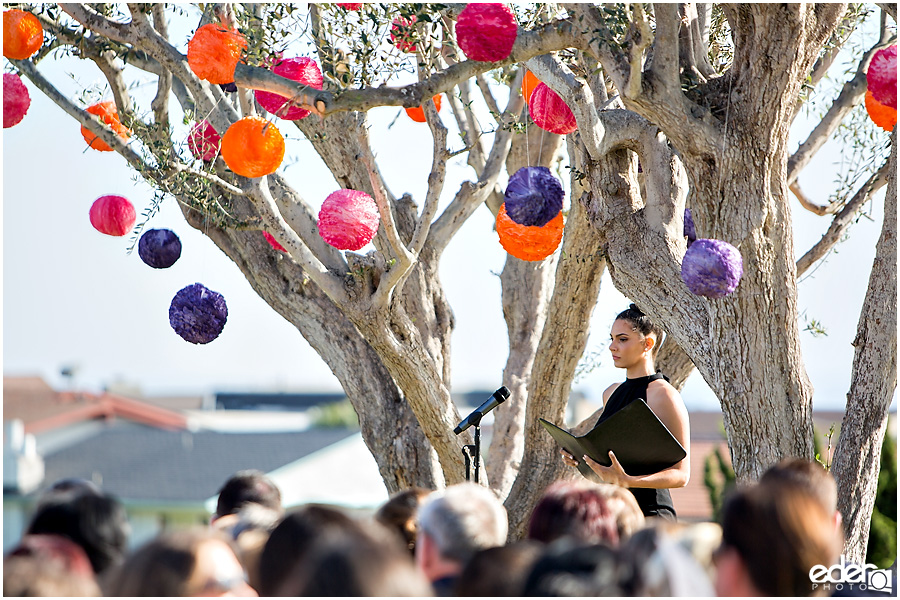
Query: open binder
[640,441]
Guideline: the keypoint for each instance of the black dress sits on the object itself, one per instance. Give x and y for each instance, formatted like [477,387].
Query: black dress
[653,502]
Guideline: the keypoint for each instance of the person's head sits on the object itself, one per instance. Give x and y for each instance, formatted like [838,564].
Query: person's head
[634,338]
[771,538]
[624,508]
[399,514]
[291,540]
[250,531]
[498,571]
[573,509]
[244,487]
[810,476]
[570,569]
[454,525]
[198,562]
[48,565]
[656,562]
[68,487]
[97,523]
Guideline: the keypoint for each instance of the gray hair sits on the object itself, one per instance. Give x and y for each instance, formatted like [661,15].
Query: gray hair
[464,519]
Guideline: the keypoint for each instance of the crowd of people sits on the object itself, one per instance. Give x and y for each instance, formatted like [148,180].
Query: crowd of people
[583,539]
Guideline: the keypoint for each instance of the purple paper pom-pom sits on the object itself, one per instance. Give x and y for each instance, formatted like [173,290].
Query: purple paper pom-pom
[159,248]
[689,230]
[533,196]
[712,268]
[198,314]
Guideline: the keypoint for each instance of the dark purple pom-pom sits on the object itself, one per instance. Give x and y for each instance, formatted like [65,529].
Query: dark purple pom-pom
[198,314]
[689,230]
[159,248]
[712,268]
[533,196]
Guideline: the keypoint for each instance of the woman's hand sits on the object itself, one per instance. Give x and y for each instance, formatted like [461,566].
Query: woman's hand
[568,458]
[614,473]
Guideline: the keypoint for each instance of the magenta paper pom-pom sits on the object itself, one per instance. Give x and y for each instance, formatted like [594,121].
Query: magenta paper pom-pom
[403,33]
[203,141]
[350,5]
[15,100]
[159,248]
[302,69]
[550,112]
[882,76]
[348,219]
[112,215]
[273,242]
[486,32]
[198,314]
[712,268]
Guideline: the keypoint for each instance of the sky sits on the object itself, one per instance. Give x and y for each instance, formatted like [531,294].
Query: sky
[74,298]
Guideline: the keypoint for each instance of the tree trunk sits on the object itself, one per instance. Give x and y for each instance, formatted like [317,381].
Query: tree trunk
[857,458]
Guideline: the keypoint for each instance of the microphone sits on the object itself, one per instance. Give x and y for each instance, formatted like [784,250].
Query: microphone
[496,399]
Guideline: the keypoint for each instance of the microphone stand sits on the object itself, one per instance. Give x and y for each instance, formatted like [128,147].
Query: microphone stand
[472,453]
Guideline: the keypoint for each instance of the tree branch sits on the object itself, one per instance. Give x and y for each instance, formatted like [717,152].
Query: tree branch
[160,104]
[664,68]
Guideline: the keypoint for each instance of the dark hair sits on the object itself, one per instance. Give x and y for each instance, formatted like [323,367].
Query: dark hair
[244,487]
[642,324]
[399,514]
[499,571]
[806,474]
[96,523]
[573,510]
[574,570]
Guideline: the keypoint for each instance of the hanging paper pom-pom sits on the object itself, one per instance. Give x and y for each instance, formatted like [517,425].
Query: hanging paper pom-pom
[15,100]
[882,76]
[486,31]
[350,5]
[273,242]
[302,69]
[417,113]
[529,243]
[712,268]
[198,314]
[159,248]
[550,112]
[112,215]
[689,230]
[533,196]
[883,116]
[23,34]
[348,219]
[214,52]
[203,141]
[107,113]
[403,33]
[253,147]
[529,82]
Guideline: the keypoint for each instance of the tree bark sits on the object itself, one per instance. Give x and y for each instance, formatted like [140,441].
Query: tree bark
[857,458]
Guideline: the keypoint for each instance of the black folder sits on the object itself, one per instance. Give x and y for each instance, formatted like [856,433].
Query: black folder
[640,441]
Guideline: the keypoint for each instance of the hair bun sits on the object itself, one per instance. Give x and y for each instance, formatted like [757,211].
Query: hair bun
[634,306]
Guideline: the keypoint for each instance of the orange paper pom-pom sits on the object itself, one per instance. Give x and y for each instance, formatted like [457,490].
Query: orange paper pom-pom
[529,243]
[252,147]
[107,113]
[22,34]
[529,82]
[882,115]
[417,113]
[214,52]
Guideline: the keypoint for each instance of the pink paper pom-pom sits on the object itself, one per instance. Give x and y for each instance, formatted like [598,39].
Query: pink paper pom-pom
[112,215]
[302,69]
[348,219]
[486,32]
[403,34]
[882,76]
[350,5]
[550,112]
[273,242]
[203,141]
[15,100]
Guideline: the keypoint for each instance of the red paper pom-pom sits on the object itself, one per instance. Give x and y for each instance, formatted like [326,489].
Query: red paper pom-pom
[23,34]
[273,242]
[302,69]
[350,5]
[529,243]
[214,52]
[203,141]
[529,82]
[883,116]
[112,215]
[348,219]
[417,113]
[882,76]
[403,34]
[486,31]
[15,100]
[107,113]
[550,112]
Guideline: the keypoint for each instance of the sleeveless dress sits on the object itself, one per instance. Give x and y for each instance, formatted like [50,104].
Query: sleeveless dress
[653,502]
